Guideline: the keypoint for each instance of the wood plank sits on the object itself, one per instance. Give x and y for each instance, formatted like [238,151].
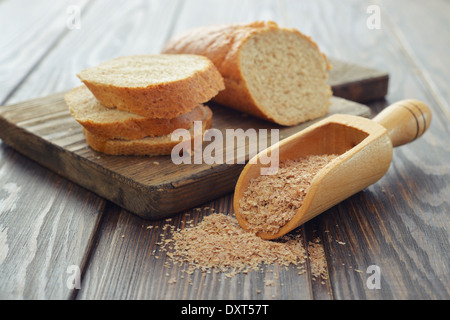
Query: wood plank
[44,130]
[36,255]
[32,30]
[415,26]
[42,233]
[397,224]
[51,223]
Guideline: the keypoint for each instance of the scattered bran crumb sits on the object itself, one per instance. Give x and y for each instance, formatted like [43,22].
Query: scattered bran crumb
[269,282]
[318,260]
[172,280]
[272,201]
[219,243]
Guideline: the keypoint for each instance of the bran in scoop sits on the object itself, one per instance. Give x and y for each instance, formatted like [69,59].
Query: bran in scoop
[272,201]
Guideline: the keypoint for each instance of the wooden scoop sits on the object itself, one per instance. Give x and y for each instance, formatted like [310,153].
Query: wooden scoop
[365,149]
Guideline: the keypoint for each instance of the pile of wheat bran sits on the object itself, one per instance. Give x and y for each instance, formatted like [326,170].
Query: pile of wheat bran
[219,243]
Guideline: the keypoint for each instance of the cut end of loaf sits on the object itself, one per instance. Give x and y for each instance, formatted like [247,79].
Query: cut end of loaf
[286,76]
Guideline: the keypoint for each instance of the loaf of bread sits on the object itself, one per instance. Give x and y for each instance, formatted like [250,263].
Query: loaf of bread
[112,123]
[159,86]
[274,73]
[152,146]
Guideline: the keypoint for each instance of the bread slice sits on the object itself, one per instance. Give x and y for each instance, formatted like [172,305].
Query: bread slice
[116,124]
[274,73]
[152,146]
[161,86]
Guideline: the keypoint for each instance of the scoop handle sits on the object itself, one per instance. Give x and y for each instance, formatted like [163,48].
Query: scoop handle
[405,121]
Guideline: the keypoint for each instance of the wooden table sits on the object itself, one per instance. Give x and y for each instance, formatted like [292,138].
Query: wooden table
[50,228]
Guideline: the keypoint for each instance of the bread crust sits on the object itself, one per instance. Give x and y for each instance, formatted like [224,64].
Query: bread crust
[129,126]
[222,44]
[152,146]
[164,100]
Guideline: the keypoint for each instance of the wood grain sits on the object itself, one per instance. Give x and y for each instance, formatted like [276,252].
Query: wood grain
[26,44]
[424,49]
[36,254]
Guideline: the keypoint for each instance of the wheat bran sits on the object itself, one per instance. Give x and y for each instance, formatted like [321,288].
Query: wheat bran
[318,262]
[271,201]
[218,243]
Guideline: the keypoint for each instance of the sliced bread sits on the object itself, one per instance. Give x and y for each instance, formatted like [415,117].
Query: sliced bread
[152,146]
[117,124]
[274,73]
[161,86]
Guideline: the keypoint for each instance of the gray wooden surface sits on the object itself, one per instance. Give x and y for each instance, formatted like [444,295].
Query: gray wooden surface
[48,224]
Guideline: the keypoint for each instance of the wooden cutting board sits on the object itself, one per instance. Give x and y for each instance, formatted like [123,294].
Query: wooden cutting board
[150,187]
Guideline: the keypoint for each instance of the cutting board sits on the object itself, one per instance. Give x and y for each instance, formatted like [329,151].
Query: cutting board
[150,187]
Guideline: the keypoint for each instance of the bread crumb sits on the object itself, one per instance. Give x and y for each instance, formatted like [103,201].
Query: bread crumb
[318,260]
